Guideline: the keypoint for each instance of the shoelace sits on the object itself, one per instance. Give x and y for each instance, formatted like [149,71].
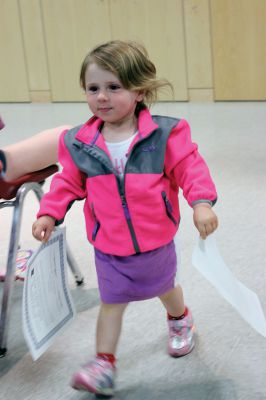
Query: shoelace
[96,367]
[179,326]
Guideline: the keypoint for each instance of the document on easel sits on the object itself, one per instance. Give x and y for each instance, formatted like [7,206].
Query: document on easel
[47,307]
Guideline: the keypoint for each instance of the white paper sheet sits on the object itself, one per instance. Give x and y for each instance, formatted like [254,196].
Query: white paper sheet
[208,261]
[47,306]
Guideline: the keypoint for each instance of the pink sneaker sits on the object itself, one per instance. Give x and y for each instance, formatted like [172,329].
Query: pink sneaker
[96,377]
[181,336]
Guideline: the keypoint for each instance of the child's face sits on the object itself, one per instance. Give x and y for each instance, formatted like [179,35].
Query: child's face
[107,98]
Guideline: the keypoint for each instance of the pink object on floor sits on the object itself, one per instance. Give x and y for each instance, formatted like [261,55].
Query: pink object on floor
[22,258]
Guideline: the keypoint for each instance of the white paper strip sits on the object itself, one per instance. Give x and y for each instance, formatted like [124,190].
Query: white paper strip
[208,261]
[47,306]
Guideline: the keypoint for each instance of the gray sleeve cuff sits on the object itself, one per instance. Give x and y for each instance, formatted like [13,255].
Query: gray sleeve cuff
[204,201]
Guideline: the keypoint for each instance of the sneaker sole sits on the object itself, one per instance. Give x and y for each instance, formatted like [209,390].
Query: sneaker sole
[182,354]
[90,389]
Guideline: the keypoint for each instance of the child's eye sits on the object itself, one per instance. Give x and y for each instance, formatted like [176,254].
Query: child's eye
[92,89]
[114,86]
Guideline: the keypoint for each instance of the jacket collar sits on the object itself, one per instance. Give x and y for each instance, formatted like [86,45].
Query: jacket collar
[90,132]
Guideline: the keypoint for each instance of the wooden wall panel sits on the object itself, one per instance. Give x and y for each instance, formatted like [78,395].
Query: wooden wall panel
[198,44]
[72,28]
[13,73]
[159,26]
[239,49]
[34,44]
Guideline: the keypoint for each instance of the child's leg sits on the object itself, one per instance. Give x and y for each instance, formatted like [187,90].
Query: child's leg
[98,376]
[180,323]
[109,327]
[173,301]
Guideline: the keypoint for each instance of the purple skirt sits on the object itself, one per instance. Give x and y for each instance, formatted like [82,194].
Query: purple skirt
[137,277]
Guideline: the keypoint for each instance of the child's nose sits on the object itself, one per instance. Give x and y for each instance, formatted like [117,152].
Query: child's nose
[102,95]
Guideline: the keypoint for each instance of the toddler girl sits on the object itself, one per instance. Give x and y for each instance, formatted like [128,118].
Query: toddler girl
[129,166]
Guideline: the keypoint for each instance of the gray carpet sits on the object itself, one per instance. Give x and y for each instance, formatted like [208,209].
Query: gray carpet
[84,299]
[229,360]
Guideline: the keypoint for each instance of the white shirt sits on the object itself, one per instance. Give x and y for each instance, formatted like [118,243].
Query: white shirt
[118,151]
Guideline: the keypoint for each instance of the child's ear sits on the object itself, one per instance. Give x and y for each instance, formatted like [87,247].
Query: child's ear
[140,96]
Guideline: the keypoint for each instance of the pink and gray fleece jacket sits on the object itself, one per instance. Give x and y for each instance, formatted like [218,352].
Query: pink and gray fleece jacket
[139,212]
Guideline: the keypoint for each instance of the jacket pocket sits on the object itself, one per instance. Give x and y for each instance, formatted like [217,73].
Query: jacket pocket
[168,208]
[96,225]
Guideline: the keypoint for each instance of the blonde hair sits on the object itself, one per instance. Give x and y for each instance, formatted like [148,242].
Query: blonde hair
[130,62]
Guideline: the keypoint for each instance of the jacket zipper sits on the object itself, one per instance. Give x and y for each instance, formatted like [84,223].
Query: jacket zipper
[168,208]
[121,188]
[95,152]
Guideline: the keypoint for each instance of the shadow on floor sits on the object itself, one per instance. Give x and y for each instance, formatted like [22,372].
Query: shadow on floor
[207,390]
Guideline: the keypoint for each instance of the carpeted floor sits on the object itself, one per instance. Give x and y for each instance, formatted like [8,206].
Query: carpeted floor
[229,360]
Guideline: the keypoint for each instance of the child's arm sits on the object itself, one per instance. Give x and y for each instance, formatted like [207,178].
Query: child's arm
[66,187]
[192,175]
[188,168]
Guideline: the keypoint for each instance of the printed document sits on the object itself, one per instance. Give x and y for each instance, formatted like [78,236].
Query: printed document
[47,306]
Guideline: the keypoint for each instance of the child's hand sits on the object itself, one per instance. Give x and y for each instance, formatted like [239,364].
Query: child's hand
[205,219]
[43,227]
